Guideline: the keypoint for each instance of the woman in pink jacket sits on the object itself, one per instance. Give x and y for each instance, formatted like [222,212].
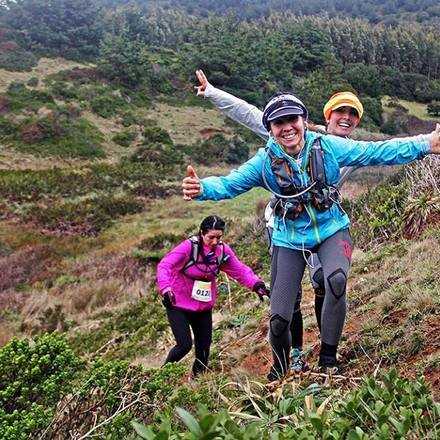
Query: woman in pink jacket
[186,278]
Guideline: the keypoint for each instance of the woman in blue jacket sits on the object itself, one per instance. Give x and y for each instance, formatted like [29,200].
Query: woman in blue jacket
[301,168]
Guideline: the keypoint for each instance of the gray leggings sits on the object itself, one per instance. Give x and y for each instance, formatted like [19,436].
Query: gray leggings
[288,267]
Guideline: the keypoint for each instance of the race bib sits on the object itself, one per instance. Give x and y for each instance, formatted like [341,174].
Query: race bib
[201,291]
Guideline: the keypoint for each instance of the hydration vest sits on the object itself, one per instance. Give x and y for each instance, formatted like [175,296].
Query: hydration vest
[318,192]
[194,255]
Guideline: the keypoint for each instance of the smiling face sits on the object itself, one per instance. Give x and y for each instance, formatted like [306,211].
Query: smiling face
[212,238]
[343,121]
[288,132]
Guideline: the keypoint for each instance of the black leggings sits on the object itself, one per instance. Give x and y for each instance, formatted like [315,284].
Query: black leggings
[287,271]
[201,325]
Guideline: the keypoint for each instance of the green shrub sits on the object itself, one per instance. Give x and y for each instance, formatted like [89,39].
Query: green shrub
[124,138]
[33,81]
[378,214]
[218,149]
[17,60]
[159,153]
[21,186]
[63,90]
[156,134]
[7,128]
[143,320]
[86,217]
[119,393]
[373,112]
[61,135]
[129,118]
[433,109]
[21,97]
[107,105]
[160,241]
[390,408]
[33,376]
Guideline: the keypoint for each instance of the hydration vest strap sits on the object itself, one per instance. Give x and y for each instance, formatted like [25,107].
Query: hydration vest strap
[194,254]
[316,164]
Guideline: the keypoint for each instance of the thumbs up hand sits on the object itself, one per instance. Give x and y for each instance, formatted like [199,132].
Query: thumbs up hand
[435,140]
[191,186]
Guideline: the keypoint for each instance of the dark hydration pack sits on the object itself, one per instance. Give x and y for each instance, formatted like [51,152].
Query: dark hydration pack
[322,195]
[195,252]
[318,193]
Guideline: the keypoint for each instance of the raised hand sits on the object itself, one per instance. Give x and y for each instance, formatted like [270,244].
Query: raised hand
[435,140]
[203,83]
[191,186]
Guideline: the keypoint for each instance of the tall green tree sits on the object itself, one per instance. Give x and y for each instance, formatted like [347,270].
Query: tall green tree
[71,28]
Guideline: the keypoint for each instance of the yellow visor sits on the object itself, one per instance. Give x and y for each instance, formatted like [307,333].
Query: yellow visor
[343,99]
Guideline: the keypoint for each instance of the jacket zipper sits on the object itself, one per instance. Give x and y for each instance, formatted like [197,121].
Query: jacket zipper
[314,222]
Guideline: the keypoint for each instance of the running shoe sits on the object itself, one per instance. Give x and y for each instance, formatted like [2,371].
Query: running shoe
[298,364]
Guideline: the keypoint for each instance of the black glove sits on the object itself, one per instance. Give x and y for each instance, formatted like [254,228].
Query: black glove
[261,290]
[169,299]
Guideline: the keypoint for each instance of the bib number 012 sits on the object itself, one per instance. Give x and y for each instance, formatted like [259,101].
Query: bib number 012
[201,291]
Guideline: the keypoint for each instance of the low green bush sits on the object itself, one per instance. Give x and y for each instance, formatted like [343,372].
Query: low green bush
[157,148]
[128,119]
[155,134]
[17,60]
[378,214]
[33,81]
[22,186]
[63,90]
[118,392]
[124,138]
[107,105]
[143,320]
[162,154]
[60,135]
[21,97]
[385,408]
[86,217]
[218,149]
[7,128]
[33,376]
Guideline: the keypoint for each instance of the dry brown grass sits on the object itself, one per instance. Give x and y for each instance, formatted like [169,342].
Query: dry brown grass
[92,295]
[385,302]
[7,332]
[421,302]
[77,303]
[45,67]
[28,265]
[108,127]
[188,124]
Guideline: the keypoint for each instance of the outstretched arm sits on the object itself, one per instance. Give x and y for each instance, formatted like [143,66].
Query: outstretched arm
[247,176]
[235,108]
[395,151]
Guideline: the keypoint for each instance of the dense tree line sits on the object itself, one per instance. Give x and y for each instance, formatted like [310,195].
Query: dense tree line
[70,27]
[140,45]
[389,12]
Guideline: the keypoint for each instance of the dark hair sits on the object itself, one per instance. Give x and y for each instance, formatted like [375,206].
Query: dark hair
[212,222]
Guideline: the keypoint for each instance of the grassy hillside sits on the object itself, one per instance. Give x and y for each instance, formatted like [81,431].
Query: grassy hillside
[81,233]
[416,109]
